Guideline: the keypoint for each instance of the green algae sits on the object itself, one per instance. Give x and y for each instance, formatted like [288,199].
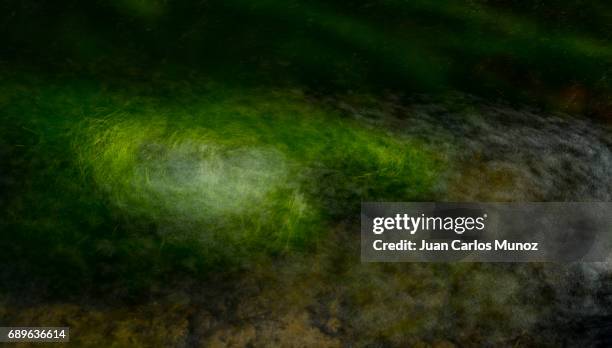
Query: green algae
[241,169]
[142,184]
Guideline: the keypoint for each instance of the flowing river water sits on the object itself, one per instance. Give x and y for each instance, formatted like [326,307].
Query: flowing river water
[166,170]
[503,153]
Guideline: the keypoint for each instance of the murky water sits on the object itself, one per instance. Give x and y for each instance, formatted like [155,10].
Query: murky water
[500,152]
[504,153]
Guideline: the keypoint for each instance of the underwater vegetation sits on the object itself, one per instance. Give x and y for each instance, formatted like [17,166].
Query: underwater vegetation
[189,173]
[235,211]
[204,180]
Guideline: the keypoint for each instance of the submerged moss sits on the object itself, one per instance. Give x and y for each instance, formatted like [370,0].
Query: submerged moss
[262,170]
[128,184]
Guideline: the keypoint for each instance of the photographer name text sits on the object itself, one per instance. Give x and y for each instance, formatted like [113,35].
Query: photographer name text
[457,245]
